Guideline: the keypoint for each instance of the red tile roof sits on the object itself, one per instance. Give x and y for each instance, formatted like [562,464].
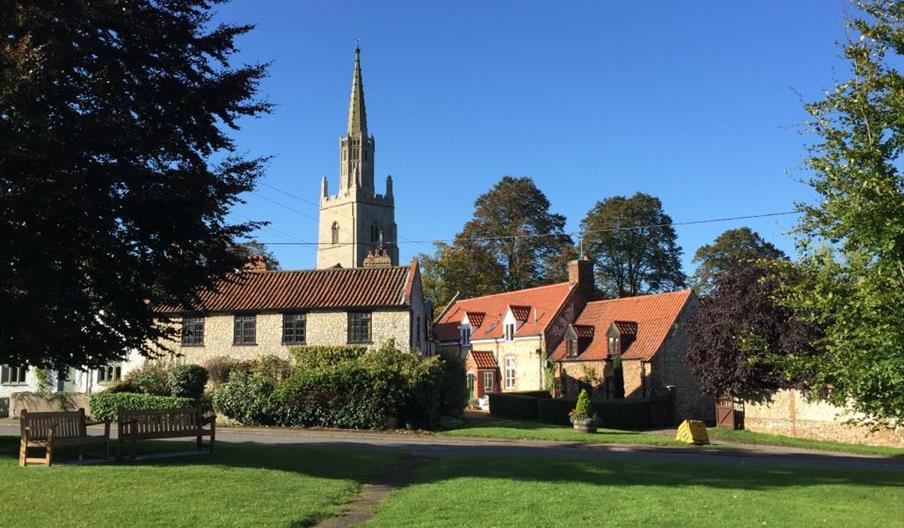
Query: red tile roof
[583,330]
[476,318]
[520,313]
[545,299]
[484,359]
[626,327]
[309,289]
[653,315]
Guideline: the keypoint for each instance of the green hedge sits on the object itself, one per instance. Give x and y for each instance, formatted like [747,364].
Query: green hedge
[512,405]
[105,405]
[613,414]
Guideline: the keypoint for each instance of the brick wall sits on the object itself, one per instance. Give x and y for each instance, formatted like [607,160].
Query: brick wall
[789,414]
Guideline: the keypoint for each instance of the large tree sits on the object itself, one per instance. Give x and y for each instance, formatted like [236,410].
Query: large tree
[855,168]
[739,334]
[513,241]
[728,249]
[116,171]
[633,245]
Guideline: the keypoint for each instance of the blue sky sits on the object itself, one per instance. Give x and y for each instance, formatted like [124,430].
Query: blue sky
[698,103]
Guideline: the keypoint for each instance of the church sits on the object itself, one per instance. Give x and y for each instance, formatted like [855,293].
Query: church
[358,294]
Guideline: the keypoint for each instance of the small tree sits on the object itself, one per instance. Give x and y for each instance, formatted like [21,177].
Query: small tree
[583,409]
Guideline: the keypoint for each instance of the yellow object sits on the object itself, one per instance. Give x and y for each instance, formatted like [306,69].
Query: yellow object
[692,432]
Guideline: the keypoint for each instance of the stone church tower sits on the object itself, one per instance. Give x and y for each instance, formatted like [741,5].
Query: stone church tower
[356,219]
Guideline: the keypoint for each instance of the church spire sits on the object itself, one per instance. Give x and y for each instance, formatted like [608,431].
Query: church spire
[357,116]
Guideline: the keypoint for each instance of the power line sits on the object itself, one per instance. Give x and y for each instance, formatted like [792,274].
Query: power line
[574,233]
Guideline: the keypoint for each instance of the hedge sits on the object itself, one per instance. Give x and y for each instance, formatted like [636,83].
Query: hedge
[510,405]
[613,414]
[105,405]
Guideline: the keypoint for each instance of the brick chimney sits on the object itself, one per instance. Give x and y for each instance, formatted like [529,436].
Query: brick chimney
[378,258]
[581,272]
[256,263]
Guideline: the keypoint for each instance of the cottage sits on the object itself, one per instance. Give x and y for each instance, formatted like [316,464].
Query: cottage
[632,347]
[506,338]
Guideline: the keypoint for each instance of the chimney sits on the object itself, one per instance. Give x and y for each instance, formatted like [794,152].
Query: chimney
[581,272]
[377,258]
[256,263]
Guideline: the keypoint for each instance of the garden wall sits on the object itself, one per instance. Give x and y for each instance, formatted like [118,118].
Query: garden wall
[33,402]
[789,414]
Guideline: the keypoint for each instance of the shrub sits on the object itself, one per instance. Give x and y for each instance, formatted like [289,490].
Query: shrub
[615,413]
[314,356]
[187,381]
[105,405]
[513,406]
[583,410]
[220,367]
[271,368]
[150,378]
[248,400]
[555,410]
[454,390]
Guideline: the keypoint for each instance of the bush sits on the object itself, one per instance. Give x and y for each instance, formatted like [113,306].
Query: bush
[105,405]
[513,406]
[615,414]
[150,378]
[187,381]
[248,400]
[271,368]
[454,389]
[555,410]
[220,367]
[583,410]
[314,356]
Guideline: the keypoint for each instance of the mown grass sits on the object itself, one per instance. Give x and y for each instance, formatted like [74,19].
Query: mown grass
[239,485]
[518,491]
[526,430]
[749,437]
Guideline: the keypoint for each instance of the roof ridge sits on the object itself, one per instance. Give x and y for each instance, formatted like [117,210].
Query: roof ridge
[515,291]
[648,295]
[318,270]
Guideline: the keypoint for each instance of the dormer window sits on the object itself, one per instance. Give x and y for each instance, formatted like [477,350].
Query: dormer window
[613,346]
[509,331]
[571,347]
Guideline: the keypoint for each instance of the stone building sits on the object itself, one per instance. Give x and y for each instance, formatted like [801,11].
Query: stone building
[633,347]
[356,218]
[506,338]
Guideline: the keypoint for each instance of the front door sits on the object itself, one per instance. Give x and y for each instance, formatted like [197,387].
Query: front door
[471,387]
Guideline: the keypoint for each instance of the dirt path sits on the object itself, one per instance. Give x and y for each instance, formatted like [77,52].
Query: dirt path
[373,493]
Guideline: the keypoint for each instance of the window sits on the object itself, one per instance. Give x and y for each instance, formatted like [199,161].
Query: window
[109,374]
[466,335]
[374,232]
[613,346]
[12,375]
[509,331]
[571,347]
[335,233]
[359,327]
[293,328]
[244,330]
[488,382]
[192,331]
[509,373]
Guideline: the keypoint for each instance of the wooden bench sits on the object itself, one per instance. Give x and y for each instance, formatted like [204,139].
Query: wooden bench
[51,430]
[147,424]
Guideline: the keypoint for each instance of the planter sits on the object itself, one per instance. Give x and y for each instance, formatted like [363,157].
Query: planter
[585,427]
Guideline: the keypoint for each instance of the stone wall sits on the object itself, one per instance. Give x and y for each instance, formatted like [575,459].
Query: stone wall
[789,414]
[32,402]
[322,328]
[530,371]
[571,375]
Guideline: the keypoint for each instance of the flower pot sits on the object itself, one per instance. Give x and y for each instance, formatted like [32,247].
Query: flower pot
[589,427]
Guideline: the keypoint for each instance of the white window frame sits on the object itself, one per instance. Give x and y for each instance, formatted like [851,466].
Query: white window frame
[489,380]
[509,330]
[510,372]
[13,375]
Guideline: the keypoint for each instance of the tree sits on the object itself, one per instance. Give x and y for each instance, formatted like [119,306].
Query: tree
[738,335]
[857,294]
[633,245]
[729,248]
[116,172]
[252,250]
[512,242]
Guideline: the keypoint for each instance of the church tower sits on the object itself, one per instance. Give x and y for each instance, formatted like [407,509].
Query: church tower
[356,219]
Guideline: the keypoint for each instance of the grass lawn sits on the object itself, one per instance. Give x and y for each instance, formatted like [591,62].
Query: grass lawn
[526,430]
[238,485]
[479,491]
[749,437]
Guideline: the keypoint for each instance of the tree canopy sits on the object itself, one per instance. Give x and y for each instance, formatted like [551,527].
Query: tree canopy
[633,245]
[512,241]
[116,171]
[728,249]
[852,240]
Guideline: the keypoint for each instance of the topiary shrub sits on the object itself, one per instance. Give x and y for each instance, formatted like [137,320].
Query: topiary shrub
[105,405]
[583,409]
[187,381]
[249,400]
[150,378]
[220,367]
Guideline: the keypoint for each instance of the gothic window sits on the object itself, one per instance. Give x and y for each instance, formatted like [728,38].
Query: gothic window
[335,230]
